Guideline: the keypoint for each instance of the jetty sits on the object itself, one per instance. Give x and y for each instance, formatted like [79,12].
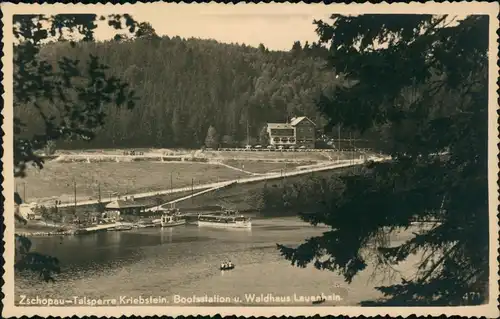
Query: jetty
[75,231]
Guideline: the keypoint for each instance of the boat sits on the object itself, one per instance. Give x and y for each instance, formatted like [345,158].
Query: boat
[224,219]
[145,224]
[156,222]
[226,266]
[168,220]
[122,227]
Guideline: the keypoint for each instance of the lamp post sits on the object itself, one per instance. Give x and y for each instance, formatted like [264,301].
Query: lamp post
[99,191]
[74,191]
[171,182]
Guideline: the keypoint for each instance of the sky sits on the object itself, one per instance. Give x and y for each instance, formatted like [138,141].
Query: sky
[275,26]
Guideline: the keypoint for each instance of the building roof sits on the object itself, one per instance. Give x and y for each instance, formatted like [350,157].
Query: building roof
[120,204]
[279,125]
[297,120]
[294,121]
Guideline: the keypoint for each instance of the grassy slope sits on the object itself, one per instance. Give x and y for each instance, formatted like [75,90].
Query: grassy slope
[56,179]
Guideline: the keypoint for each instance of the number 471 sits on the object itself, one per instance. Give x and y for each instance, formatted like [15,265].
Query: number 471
[471,296]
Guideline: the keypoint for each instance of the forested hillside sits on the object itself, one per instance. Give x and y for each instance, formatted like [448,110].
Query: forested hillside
[186,86]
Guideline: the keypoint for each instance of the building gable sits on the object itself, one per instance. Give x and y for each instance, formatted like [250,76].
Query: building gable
[296,120]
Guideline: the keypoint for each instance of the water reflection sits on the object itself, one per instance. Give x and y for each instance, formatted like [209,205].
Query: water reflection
[166,234]
[178,260]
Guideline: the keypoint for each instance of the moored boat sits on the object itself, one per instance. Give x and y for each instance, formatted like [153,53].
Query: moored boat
[122,227]
[146,223]
[228,265]
[231,267]
[225,219]
[168,220]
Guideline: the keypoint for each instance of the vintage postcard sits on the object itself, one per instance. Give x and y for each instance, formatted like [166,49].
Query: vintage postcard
[250,159]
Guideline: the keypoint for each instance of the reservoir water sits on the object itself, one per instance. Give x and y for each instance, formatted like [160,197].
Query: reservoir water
[181,264]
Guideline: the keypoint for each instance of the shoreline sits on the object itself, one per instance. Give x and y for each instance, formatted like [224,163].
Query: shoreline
[41,229]
[46,234]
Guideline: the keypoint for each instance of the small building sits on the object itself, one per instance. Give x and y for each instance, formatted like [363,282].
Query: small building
[301,131]
[119,207]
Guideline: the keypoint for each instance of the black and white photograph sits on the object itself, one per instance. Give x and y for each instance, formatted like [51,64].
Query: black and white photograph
[250,159]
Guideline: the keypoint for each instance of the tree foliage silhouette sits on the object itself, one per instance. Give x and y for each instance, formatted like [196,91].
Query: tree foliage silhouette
[212,138]
[422,81]
[264,136]
[66,97]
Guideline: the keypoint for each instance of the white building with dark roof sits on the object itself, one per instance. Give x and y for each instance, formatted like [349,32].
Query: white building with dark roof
[301,131]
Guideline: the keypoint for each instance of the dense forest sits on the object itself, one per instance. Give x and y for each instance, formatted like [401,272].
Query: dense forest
[183,87]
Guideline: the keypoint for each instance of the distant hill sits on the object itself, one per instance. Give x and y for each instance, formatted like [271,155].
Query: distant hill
[185,86]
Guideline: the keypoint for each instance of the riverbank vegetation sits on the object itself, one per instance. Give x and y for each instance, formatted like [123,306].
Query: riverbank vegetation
[304,196]
[287,196]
